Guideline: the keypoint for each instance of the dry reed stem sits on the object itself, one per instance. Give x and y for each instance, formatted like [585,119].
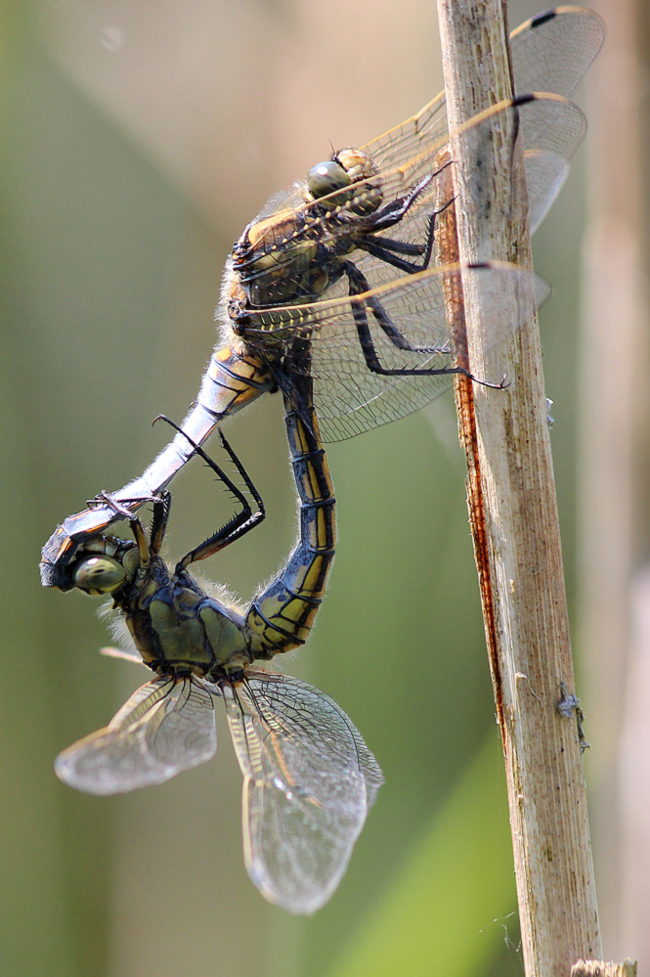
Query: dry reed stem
[513,514]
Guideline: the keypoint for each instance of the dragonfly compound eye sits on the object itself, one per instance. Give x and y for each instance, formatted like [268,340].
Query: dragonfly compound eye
[326,177]
[99,575]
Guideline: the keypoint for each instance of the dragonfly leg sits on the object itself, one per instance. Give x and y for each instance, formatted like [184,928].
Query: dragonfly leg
[400,341]
[359,285]
[395,211]
[161,505]
[389,250]
[242,522]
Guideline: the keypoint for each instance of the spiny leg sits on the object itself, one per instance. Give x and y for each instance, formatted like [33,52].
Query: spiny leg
[242,522]
[358,286]
[388,250]
[396,210]
[381,247]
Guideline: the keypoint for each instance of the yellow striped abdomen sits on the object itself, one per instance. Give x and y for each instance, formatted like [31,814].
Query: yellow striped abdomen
[281,617]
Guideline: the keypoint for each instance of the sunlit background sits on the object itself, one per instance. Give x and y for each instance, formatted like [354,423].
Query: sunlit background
[139,138]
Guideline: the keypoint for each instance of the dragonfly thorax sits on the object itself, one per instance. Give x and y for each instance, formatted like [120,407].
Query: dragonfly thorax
[294,254]
[180,630]
[274,263]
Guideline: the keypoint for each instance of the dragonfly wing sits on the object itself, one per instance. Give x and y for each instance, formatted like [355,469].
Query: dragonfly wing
[405,153]
[551,129]
[166,726]
[309,780]
[553,52]
[550,53]
[350,397]
[127,656]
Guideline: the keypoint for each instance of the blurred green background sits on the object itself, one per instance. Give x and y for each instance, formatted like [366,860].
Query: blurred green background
[138,140]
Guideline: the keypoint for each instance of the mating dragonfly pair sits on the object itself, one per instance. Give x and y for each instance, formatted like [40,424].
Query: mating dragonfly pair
[331,296]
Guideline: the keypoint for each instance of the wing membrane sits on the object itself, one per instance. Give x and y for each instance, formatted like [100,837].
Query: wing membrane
[349,397]
[166,726]
[553,51]
[551,128]
[309,780]
[550,53]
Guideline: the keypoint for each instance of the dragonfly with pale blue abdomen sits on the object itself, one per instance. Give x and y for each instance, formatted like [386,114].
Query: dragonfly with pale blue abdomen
[345,262]
[309,778]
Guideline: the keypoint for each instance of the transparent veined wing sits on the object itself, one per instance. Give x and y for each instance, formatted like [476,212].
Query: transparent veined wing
[309,780]
[551,127]
[349,397]
[166,726]
[553,51]
[550,53]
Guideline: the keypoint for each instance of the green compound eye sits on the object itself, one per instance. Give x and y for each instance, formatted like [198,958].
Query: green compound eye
[327,177]
[99,575]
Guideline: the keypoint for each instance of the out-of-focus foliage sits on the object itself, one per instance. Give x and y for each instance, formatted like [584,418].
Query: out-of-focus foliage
[455,877]
[112,251]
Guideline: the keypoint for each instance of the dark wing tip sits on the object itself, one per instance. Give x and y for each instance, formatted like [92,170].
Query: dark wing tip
[523,99]
[542,19]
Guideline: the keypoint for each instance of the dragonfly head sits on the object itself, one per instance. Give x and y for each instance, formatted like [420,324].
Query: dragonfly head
[104,565]
[326,178]
[343,182]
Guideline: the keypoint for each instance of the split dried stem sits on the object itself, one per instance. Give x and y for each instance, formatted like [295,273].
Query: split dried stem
[513,514]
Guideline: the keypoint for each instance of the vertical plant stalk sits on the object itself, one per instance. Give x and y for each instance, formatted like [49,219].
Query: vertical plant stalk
[513,512]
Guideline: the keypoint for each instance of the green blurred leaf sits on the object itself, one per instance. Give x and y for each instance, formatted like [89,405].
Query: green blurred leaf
[457,881]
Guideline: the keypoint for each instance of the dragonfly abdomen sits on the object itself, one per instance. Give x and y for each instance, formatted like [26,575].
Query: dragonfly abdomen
[233,378]
[282,616]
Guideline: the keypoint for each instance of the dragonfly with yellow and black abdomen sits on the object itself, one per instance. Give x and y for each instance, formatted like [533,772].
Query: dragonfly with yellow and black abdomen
[345,262]
[309,778]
